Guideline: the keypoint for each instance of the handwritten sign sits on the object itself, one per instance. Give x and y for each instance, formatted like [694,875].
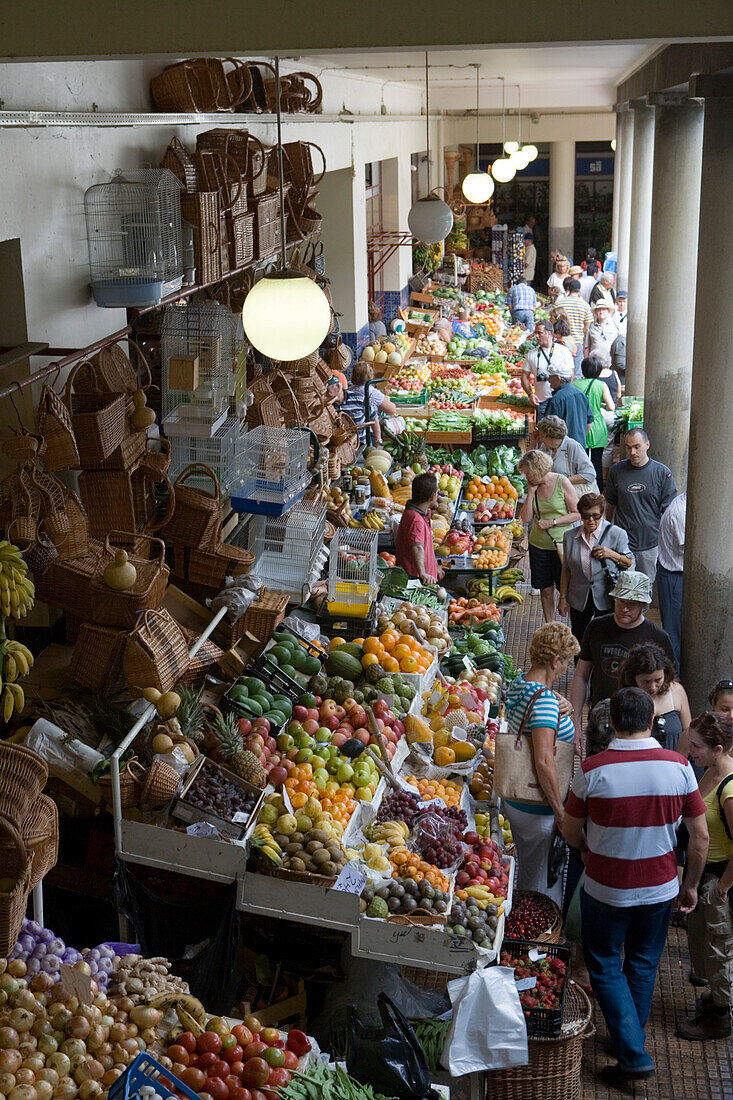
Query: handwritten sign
[525,983]
[202,828]
[240,818]
[431,802]
[75,983]
[350,881]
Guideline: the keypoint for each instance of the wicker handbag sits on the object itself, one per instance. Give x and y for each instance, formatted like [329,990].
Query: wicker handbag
[97,658]
[40,832]
[197,512]
[54,424]
[156,653]
[98,420]
[201,84]
[130,782]
[15,866]
[23,774]
[181,163]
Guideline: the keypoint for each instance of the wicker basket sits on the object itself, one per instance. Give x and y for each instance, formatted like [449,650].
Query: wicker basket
[267,224]
[40,832]
[156,654]
[40,554]
[181,163]
[96,662]
[197,512]
[554,1071]
[203,213]
[15,864]
[54,424]
[201,84]
[23,774]
[428,979]
[210,567]
[74,543]
[247,152]
[129,786]
[263,616]
[128,454]
[122,609]
[67,584]
[98,421]
[161,784]
[240,236]
[554,933]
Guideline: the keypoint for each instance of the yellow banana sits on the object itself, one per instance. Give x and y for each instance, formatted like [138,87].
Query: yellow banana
[182,1002]
[10,669]
[18,696]
[8,704]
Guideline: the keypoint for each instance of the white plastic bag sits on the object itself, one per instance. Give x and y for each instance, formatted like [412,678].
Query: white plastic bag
[71,761]
[488,1029]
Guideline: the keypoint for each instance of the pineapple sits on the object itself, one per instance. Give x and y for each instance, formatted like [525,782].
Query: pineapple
[190,715]
[241,761]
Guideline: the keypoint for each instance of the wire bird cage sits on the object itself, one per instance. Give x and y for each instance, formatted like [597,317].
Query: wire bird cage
[222,452]
[199,356]
[134,237]
[274,470]
[289,550]
[352,572]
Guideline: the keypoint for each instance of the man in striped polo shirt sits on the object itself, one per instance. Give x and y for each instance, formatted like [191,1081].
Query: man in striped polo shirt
[623,812]
[579,317]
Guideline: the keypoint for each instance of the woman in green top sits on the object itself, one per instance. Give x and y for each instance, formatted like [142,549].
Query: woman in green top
[552,504]
[599,398]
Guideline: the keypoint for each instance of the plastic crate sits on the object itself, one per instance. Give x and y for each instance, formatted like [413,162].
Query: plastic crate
[347,627]
[496,440]
[274,677]
[543,1021]
[145,1070]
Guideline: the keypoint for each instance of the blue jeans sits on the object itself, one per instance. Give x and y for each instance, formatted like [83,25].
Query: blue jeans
[524,317]
[624,990]
[669,591]
[578,359]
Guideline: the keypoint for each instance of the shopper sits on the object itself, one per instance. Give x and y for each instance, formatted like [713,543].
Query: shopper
[648,667]
[721,697]
[592,552]
[521,301]
[529,225]
[569,403]
[621,312]
[588,281]
[710,925]
[554,283]
[609,638]
[414,544]
[604,289]
[623,810]
[562,331]
[354,401]
[539,361]
[568,457]
[602,406]
[670,565]
[530,699]
[530,256]
[552,504]
[579,318]
[602,331]
[377,326]
[638,491]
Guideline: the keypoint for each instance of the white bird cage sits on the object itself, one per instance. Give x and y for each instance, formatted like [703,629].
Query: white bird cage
[222,452]
[274,470]
[134,237]
[199,357]
[352,572]
[289,550]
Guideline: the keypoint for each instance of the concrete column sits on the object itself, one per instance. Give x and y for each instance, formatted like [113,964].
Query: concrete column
[707,623]
[561,230]
[625,129]
[671,316]
[639,244]
[396,203]
[616,182]
[342,201]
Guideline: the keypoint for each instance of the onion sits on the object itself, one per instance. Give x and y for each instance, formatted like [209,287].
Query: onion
[9,983]
[23,1092]
[10,1061]
[130,1046]
[90,1090]
[78,1027]
[165,1061]
[70,1047]
[107,1060]
[47,1045]
[9,1038]
[49,1075]
[60,1063]
[44,1090]
[95,1038]
[21,1019]
[111,1076]
[118,1033]
[84,967]
[17,968]
[125,1003]
[148,1035]
[66,1089]
[7,1082]
[41,1026]
[34,1062]
[94,1069]
[132,1030]
[25,1076]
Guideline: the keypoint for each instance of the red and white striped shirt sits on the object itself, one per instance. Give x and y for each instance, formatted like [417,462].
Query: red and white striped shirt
[632,797]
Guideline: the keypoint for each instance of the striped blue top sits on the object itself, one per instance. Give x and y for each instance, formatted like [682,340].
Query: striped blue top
[544,713]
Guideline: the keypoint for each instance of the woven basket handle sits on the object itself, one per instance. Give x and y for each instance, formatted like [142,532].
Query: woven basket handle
[134,535]
[263,168]
[241,73]
[193,72]
[317,179]
[296,403]
[161,476]
[314,98]
[144,360]
[9,827]
[200,468]
[72,374]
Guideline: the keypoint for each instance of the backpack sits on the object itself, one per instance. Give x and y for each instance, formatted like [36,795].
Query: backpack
[728,779]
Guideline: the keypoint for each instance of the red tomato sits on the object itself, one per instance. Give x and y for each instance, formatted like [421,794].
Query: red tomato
[179,1069]
[178,1053]
[256,1073]
[217,1088]
[257,1095]
[274,1057]
[252,1023]
[232,1083]
[276,1044]
[267,1034]
[253,1050]
[291,1060]
[278,1078]
[194,1078]
[237,1068]
[203,1061]
[187,1040]
[219,1069]
[207,1042]
[240,1094]
[242,1034]
[233,1054]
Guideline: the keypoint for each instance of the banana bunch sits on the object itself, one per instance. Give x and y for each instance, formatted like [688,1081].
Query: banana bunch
[375,858]
[189,1010]
[483,897]
[265,842]
[506,830]
[507,592]
[372,521]
[17,661]
[13,701]
[479,589]
[16,588]
[511,576]
[392,833]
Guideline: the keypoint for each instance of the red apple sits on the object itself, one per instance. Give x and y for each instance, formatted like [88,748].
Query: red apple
[327,708]
[245,726]
[362,735]
[262,724]
[310,726]
[300,714]
[330,722]
[278,775]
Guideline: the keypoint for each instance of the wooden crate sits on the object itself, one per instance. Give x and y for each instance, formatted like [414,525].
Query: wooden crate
[292,1010]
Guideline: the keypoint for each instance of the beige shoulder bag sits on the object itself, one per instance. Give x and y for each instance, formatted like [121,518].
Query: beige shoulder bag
[515,775]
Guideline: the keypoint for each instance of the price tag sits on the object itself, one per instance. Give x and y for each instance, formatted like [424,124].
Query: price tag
[468,701]
[203,828]
[435,698]
[525,983]
[413,583]
[350,881]
[404,786]
[459,734]
[75,983]
[536,955]
[467,663]
[240,818]
[431,802]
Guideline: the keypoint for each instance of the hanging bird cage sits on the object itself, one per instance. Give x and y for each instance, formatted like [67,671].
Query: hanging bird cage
[134,237]
[352,572]
[199,355]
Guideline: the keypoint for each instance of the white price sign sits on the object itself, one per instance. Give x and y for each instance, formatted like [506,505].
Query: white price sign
[350,881]
[525,983]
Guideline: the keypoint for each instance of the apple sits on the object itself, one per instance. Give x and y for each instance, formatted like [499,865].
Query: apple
[245,726]
[328,707]
[261,724]
[299,715]
[330,722]
[310,726]
[278,775]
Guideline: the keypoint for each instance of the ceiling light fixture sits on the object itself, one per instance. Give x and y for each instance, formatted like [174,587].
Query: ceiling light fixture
[478,186]
[286,315]
[430,219]
[502,169]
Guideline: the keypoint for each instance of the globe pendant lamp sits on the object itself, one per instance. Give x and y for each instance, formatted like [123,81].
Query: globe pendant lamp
[510,147]
[531,151]
[502,169]
[478,186]
[517,155]
[430,219]
[286,315]
[519,159]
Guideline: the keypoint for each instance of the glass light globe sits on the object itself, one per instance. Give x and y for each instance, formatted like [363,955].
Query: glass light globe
[532,152]
[286,316]
[520,160]
[430,220]
[511,146]
[478,187]
[503,170]
[613,144]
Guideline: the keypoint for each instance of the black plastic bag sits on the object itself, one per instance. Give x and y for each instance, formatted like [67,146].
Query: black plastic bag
[390,1059]
[171,929]
[556,857]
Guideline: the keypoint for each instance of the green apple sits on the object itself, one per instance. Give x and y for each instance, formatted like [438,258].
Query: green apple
[323,735]
[361,778]
[303,740]
[285,742]
[345,773]
[303,756]
[320,778]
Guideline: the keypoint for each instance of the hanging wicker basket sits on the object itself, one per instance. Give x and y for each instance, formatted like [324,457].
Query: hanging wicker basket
[15,867]
[23,774]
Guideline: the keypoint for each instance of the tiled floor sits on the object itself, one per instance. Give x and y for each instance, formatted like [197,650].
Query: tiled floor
[685,1071]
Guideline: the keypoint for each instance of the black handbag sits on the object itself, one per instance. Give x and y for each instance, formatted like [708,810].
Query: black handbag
[610,569]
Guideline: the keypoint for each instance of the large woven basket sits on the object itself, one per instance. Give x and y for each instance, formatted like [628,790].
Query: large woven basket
[122,609]
[129,786]
[212,565]
[98,421]
[553,934]
[201,84]
[156,653]
[40,833]
[54,424]
[15,866]
[197,512]
[96,662]
[23,774]
[66,584]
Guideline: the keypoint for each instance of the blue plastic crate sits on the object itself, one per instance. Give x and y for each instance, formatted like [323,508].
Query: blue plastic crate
[146,1071]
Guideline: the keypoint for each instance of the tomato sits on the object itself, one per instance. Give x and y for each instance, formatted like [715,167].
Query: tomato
[276,1044]
[242,1034]
[232,1083]
[218,1026]
[194,1078]
[232,1054]
[256,1073]
[178,1053]
[218,1069]
[228,1041]
[298,1042]
[290,1060]
[274,1057]
[208,1042]
[240,1094]
[188,1041]
[236,1068]
[267,1034]
[257,1095]
[203,1061]
[179,1069]
[252,1023]
[217,1088]
[253,1050]
[278,1078]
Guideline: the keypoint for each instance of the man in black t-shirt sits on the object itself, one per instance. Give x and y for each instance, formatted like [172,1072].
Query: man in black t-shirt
[608,639]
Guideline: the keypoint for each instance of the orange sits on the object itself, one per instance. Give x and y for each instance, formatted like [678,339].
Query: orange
[369,659]
[336,641]
[401,650]
[408,664]
[358,641]
[389,664]
[298,800]
[371,645]
[389,640]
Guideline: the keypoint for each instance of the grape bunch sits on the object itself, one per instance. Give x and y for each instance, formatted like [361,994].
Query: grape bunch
[398,805]
[441,852]
[455,813]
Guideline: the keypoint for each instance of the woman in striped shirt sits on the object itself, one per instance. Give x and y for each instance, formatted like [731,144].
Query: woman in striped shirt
[548,715]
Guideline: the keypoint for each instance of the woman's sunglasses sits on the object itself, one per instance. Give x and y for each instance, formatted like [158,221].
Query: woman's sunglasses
[591,515]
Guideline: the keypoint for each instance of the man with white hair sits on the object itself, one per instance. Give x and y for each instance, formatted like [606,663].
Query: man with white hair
[602,331]
[604,289]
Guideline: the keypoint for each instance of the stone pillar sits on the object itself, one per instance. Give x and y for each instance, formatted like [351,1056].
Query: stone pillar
[617,156]
[707,622]
[561,230]
[671,316]
[625,130]
[640,236]
[342,201]
[396,203]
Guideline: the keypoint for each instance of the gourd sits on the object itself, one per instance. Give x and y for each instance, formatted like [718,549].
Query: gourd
[120,574]
[344,665]
[166,702]
[142,416]
[378,484]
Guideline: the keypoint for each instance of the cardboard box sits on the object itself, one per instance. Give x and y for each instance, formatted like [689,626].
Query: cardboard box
[183,372]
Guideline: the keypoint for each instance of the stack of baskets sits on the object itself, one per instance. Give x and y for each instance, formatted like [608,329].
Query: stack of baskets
[29,835]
